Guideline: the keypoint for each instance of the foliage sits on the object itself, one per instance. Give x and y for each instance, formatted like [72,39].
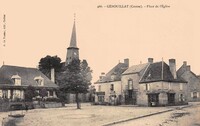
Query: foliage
[29,93]
[75,78]
[43,92]
[49,62]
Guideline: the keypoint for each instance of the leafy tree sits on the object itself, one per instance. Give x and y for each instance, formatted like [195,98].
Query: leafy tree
[49,62]
[29,93]
[74,79]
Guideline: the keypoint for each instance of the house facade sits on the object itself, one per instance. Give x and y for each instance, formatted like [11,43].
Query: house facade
[109,86]
[14,80]
[148,84]
[193,82]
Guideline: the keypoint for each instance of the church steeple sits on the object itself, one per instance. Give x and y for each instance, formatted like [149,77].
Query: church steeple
[72,50]
[73,36]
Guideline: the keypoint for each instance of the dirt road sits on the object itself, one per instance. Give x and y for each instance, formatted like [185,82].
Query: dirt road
[183,117]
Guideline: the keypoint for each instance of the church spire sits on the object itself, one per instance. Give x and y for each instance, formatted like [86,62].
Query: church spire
[73,36]
[72,50]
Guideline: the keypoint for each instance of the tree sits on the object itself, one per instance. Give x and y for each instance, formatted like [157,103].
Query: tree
[29,93]
[49,62]
[74,79]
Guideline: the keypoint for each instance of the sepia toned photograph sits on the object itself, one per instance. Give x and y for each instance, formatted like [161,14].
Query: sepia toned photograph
[99,63]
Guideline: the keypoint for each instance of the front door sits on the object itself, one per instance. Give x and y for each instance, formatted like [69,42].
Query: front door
[153,99]
[171,98]
[131,97]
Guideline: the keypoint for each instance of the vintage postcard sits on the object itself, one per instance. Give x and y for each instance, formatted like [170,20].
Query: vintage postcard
[99,62]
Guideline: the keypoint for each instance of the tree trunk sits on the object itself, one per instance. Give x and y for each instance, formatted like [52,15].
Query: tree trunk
[77,101]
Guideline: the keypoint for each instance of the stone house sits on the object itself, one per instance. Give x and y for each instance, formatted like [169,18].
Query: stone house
[193,82]
[14,80]
[108,87]
[148,84]
[160,85]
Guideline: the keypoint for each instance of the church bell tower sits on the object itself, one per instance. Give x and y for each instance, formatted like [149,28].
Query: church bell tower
[72,50]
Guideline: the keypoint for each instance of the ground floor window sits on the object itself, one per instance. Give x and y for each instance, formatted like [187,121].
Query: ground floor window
[50,93]
[181,98]
[194,95]
[100,98]
[5,94]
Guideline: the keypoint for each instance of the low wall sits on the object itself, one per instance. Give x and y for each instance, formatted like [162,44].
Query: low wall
[52,105]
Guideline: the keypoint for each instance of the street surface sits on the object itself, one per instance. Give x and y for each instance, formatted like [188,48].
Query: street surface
[101,115]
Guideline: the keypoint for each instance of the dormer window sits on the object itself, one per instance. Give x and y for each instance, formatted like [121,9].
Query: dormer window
[39,80]
[16,79]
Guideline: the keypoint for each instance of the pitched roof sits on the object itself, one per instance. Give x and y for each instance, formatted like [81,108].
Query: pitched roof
[136,68]
[159,72]
[117,71]
[27,76]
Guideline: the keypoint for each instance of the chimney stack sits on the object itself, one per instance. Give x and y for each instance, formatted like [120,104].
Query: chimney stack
[172,67]
[188,68]
[126,61]
[185,63]
[53,75]
[102,76]
[150,60]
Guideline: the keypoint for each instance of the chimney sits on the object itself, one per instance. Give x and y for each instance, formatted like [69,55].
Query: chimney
[150,60]
[53,75]
[102,76]
[184,63]
[126,61]
[172,67]
[188,68]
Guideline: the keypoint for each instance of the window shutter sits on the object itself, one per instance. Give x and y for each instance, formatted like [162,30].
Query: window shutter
[191,94]
[197,94]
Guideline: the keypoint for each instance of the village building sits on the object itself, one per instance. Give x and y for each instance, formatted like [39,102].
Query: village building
[108,87]
[14,80]
[193,82]
[148,84]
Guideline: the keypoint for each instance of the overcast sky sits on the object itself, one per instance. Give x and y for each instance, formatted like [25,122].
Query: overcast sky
[105,36]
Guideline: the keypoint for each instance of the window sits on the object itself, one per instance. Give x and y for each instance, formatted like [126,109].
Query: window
[169,86]
[181,98]
[130,84]
[39,80]
[16,79]
[194,95]
[101,98]
[181,86]
[50,93]
[112,87]
[5,94]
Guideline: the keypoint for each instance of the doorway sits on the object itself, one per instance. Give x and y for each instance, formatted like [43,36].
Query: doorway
[153,99]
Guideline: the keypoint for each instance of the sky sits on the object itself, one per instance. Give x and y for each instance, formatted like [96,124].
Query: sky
[105,36]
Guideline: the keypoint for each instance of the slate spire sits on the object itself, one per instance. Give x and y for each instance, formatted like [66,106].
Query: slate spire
[73,36]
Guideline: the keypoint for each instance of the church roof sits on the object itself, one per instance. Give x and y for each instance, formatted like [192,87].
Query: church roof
[27,76]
